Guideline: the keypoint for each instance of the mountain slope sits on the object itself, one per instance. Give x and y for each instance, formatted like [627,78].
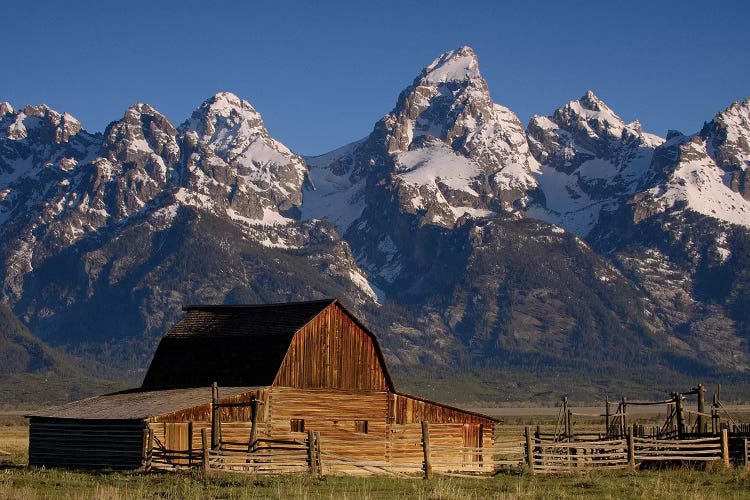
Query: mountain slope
[32,372]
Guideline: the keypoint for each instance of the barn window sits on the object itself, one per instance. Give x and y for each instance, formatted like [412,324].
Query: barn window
[360,426]
[297,425]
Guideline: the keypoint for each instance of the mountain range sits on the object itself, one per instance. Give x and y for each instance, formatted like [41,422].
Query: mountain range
[577,248]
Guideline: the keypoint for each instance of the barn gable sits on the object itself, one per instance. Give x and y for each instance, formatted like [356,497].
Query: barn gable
[334,351]
[312,344]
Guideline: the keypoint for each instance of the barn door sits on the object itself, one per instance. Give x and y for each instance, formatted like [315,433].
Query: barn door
[472,439]
[177,442]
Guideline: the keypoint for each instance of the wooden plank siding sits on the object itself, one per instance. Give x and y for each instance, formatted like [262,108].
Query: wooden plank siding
[332,351]
[203,412]
[333,413]
[85,444]
[406,409]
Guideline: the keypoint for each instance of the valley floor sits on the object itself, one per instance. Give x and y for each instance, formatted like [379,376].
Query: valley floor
[19,482]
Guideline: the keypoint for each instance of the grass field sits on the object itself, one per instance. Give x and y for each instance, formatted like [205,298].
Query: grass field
[19,482]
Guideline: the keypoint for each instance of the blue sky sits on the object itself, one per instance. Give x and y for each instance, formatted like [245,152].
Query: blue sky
[322,73]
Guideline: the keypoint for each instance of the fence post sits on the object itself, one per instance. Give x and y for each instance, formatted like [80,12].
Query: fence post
[701,408]
[318,460]
[190,443]
[529,450]
[311,453]
[606,417]
[204,445]
[146,449]
[744,451]
[725,447]
[253,424]
[631,447]
[680,416]
[426,450]
[215,416]
[480,443]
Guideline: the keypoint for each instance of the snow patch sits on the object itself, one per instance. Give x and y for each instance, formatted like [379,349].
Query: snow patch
[356,276]
[455,65]
[699,183]
[426,166]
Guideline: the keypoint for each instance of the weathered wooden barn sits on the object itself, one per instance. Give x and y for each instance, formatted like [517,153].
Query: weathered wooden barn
[282,370]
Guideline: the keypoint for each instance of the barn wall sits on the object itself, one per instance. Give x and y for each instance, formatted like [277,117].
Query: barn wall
[203,412]
[393,421]
[334,414]
[332,351]
[445,441]
[86,444]
[404,410]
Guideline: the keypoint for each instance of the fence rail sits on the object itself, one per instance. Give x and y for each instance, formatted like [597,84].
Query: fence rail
[550,456]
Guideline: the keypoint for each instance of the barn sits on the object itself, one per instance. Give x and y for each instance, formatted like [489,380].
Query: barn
[257,378]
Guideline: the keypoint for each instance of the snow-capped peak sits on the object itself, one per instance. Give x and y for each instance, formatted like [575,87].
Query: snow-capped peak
[592,102]
[229,143]
[224,111]
[41,119]
[6,108]
[727,136]
[455,65]
[594,115]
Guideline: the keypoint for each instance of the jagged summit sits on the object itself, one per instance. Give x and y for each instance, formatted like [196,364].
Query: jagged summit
[455,65]
[38,119]
[591,162]
[446,148]
[591,115]
[728,136]
[224,110]
[591,101]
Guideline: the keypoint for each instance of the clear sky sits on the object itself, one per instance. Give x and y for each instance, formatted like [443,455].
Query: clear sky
[323,72]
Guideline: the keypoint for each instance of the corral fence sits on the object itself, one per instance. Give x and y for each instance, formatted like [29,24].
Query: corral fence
[316,455]
[409,457]
[546,456]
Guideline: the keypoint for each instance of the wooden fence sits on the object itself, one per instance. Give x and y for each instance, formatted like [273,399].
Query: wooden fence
[549,456]
[401,456]
[407,456]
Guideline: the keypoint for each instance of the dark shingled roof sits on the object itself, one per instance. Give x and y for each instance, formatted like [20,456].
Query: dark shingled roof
[254,337]
[137,404]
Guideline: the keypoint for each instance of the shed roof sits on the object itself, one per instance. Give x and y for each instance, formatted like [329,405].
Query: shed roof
[136,404]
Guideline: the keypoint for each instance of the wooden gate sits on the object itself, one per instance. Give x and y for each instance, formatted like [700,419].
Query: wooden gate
[178,442]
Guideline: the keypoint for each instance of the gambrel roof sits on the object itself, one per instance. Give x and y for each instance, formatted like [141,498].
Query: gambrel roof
[235,345]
